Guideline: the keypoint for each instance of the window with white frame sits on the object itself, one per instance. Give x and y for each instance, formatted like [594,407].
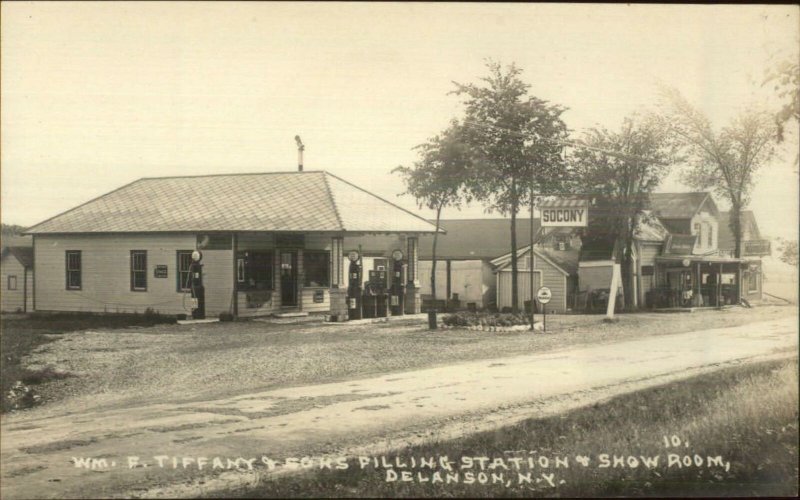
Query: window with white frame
[139,270]
[73,269]
[184,273]
[12,283]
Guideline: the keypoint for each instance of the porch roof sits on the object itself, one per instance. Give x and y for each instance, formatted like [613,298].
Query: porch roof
[707,259]
[278,201]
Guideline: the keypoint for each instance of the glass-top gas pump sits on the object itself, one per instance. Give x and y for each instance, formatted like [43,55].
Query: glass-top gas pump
[198,290]
[397,287]
[354,286]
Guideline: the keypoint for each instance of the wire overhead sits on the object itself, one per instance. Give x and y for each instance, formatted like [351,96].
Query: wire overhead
[566,143]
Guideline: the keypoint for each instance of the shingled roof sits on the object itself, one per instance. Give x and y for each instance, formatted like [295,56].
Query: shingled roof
[677,205]
[279,201]
[725,240]
[23,254]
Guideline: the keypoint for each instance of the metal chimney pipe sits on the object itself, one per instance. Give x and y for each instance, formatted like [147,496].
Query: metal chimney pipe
[300,149]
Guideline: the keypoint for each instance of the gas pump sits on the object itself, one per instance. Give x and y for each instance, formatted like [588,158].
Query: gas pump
[354,286]
[398,290]
[375,297]
[198,290]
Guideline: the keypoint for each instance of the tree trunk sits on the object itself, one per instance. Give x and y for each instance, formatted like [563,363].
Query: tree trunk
[433,264]
[514,277]
[627,275]
[736,226]
[626,263]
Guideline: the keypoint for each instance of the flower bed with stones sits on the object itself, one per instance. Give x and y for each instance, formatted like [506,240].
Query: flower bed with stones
[490,322]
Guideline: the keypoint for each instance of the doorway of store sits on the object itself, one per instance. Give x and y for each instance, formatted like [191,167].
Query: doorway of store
[288,278]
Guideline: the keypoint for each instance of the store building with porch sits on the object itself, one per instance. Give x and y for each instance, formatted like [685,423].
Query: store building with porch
[270,243]
[696,266]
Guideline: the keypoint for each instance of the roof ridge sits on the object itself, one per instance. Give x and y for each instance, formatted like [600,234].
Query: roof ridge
[232,174]
[378,197]
[333,202]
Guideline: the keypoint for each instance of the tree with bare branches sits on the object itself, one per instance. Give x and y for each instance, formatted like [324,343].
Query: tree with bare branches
[727,160]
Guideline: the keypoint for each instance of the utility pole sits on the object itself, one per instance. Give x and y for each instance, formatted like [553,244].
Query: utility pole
[533,262]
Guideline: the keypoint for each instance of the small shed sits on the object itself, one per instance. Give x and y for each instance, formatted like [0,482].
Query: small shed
[553,268]
[16,266]
[464,255]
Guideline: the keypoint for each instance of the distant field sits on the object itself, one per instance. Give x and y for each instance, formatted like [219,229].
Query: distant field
[746,415]
[780,279]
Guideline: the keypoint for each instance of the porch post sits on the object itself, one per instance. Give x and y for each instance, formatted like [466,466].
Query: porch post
[719,286]
[413,304]
[699,300]
[739,282]
[338,289]
[235,247]
[449,282]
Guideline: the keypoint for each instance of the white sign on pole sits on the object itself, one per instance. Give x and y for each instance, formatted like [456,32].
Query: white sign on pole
[564,213]
[544,295]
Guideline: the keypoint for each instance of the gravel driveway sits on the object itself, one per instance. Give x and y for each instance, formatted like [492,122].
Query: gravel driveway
[170,363]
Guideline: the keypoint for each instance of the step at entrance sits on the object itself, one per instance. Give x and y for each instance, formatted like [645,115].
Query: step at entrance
[290,314]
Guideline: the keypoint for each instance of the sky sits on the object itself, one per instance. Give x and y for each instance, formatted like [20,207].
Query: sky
[96,95]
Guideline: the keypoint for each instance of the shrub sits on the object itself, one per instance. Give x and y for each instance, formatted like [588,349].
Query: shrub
[466,319]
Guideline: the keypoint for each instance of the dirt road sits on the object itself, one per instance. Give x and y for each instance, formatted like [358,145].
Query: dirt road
[357,416]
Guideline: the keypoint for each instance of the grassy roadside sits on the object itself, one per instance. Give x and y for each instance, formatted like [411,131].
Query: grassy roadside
[747,415]
[22,334]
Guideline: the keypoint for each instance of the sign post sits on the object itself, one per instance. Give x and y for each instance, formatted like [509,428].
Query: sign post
[544,295]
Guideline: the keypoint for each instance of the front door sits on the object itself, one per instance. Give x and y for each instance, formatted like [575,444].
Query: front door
[288,278]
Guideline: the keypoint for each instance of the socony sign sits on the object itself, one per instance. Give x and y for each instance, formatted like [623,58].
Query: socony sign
[565,213]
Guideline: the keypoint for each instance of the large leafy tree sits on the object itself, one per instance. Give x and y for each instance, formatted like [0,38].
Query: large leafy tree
[516,141]
[724,160]
[620,168]
[438,178]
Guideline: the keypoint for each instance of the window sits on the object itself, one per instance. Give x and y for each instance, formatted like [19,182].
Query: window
[184,266]
[526,262]
[12,283]
[317,268]
[561,242]
[698,231]
[752,281]
[710,235]
[73,267]
[254,270]
[139,270]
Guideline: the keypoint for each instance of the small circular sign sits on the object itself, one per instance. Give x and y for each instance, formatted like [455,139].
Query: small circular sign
[353,255]
[397,255]
[544,295]
[686,262]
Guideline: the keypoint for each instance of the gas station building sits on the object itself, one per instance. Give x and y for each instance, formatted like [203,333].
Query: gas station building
[268,243]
